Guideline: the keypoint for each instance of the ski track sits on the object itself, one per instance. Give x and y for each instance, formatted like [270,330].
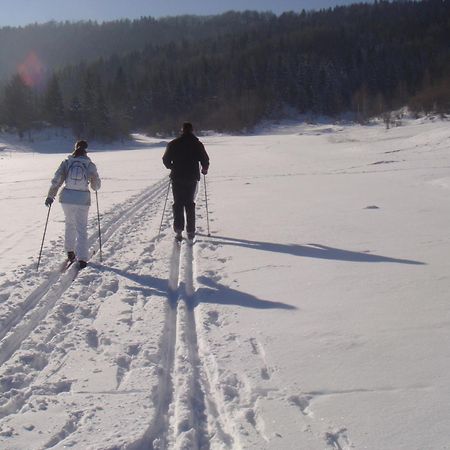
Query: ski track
[196,404]
[198,414]
[17,378]
[188,421]
[186,414]
[187,417]
[21,321]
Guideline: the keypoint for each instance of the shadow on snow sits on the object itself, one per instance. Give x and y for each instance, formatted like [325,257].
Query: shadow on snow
[224,295]
[313,251]
[146,284]
[211,292]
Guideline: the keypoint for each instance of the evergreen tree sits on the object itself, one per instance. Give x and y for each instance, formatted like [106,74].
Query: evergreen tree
[228,72]
[53,103]
[76,117]
[19,106]
[101,125]
[119,95]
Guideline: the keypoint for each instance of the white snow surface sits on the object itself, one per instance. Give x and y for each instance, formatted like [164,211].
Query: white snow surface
[314,317]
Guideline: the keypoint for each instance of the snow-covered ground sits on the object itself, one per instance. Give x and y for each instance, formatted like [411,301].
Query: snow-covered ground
[315,316]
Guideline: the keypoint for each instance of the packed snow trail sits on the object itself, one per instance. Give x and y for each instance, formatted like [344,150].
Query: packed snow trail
[189,421]
[38,342]
[48,339]
[38,304]
[188,415]
[126,334]
[19,322]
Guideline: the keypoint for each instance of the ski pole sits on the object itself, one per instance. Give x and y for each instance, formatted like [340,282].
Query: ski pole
[206,201]
[99,230]
[43,237]
[164,209]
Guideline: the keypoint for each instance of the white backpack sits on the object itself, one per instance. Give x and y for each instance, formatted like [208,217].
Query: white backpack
[77,174]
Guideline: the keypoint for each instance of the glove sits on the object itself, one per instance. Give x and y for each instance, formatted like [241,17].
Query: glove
[204,171]
[48,201]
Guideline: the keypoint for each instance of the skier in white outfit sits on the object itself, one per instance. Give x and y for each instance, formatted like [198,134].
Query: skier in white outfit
[77,172]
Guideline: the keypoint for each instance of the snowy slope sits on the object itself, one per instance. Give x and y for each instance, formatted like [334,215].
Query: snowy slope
[314,317]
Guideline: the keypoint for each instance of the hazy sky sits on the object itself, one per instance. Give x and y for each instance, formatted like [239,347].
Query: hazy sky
[22,12]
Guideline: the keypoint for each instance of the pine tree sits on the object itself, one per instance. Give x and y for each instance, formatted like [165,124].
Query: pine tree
[101,126]
[90,90]
[53,103]
[229,71]
[119,95]
[76,117]
[18,105]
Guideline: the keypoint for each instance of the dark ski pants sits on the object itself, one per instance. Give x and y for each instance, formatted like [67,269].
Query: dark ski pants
[183,201]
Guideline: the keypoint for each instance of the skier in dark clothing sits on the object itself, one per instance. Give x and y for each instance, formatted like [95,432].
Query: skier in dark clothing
[182,157]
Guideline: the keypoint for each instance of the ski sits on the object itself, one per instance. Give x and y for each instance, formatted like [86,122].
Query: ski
[186,241]
[180,239]
[66,265]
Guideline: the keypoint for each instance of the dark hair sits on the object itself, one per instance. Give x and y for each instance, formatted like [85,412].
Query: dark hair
[80,148]
[187,127]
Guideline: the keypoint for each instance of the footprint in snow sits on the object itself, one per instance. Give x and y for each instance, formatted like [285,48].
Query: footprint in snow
[92,338]
[302,402]
[338,439]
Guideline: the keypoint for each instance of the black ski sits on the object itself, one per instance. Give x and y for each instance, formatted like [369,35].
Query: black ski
[188,241]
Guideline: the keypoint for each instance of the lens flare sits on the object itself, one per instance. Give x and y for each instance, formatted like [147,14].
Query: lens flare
[32,70]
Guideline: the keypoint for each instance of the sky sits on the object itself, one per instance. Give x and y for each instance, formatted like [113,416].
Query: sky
[23,12]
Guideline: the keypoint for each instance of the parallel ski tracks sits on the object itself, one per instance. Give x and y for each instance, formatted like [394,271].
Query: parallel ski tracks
[26,317]
[189,409]
[187,415]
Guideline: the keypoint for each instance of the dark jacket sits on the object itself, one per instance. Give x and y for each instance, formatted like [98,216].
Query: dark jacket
[183,156]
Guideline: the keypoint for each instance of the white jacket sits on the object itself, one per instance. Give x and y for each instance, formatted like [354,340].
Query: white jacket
[77,173]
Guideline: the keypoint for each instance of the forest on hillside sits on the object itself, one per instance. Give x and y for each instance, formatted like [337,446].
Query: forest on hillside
[225,72]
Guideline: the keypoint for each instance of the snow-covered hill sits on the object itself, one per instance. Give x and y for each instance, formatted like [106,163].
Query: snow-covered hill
[315,316]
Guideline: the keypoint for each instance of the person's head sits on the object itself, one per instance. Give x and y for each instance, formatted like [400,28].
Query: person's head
[80,148]
[187,128]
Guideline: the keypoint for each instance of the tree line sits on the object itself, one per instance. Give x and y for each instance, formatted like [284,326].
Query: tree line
[228,72]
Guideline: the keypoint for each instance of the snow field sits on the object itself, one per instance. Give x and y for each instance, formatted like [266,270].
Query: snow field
[314,317]
[95,328]
[64,333]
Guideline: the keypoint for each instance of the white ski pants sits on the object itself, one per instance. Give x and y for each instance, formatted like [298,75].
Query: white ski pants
[76,230]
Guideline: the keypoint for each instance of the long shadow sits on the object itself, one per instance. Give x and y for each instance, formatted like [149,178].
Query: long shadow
[147,284]
[313,251]
[224,295]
